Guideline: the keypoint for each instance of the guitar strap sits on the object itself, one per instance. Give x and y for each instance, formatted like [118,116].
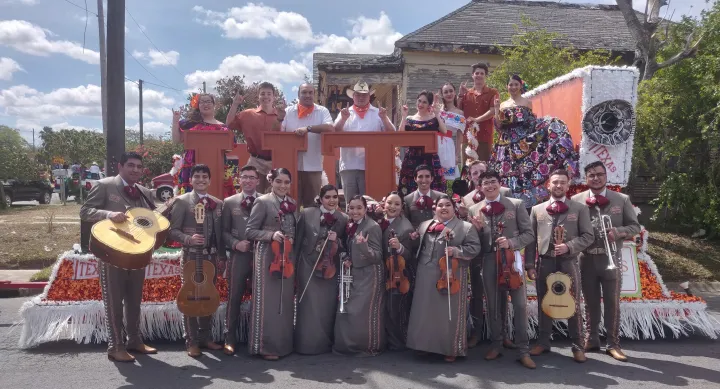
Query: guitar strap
[555,217]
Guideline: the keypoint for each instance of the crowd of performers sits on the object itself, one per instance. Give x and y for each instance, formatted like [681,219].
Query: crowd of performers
[410,271]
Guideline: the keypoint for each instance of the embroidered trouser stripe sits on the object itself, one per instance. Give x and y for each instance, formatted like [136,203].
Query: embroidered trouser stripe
[239,268]
[113,324]
[597,280]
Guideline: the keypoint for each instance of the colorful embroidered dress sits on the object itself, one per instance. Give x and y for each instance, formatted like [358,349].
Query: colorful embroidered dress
[415,156]
[528,149]
[183,177]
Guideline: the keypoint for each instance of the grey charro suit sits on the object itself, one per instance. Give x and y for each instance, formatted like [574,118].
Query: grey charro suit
[182,227]
[469,202]
[119,286]
[415,215]
[578,236]
[518,230]
[593,264]
[234,222]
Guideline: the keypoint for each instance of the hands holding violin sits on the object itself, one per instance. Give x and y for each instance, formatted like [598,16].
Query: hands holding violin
[332,236]
[395,244]
[279,237]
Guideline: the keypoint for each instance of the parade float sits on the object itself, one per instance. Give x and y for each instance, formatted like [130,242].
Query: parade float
[596,103]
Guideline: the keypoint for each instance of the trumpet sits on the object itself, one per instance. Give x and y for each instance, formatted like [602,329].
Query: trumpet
[610,247]
[346,280]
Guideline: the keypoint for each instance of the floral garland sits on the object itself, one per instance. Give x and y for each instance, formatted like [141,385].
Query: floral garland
[471,148]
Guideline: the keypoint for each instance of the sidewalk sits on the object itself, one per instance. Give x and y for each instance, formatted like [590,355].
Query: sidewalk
[17,277]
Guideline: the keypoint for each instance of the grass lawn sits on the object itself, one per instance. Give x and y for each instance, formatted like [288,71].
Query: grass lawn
[27,240]
[681,258]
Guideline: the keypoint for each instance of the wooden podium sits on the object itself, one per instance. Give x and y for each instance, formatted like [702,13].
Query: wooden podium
[284,148]
[379,154]
[210,147]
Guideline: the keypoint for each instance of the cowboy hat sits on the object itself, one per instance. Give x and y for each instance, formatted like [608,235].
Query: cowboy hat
[360,87]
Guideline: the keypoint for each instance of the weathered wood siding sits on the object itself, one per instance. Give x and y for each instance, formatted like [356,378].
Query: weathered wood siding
[430,70]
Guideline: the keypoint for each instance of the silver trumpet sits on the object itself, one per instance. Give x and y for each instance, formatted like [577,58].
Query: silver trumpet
[345,282]
[610,247]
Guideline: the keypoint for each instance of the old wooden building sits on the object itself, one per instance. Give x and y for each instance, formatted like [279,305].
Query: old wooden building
[445,49]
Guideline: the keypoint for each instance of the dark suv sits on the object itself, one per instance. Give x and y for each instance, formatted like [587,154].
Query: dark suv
[19,190]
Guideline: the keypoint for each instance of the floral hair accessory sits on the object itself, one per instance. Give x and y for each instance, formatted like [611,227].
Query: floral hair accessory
[195,101]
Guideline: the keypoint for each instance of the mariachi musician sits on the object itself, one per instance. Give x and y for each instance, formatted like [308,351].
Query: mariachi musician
[272,226]
[359,324]
[438,319]
[487,216]
[547,219]
[235,213]
[319,237]
[477,168]
[184,228]
[595,262]
[397,239]
[109,199]
[419,204]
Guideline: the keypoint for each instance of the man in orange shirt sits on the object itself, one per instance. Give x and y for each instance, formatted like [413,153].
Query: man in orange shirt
[252,123]
[478,107]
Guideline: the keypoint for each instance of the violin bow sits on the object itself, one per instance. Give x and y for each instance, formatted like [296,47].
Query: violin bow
[313,269]
[448,273]
[282,262]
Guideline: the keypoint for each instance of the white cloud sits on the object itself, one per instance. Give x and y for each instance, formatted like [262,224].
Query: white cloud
[259,21]
[8,66]
[158,58]
[32,107]
[254,68]
[28,2]
[367,36]
[31,39]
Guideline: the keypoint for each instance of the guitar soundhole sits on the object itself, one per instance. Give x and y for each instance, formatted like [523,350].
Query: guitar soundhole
[558,288]
[143,222]
[199,278]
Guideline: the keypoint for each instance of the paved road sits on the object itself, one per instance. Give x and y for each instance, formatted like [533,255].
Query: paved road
[690,362]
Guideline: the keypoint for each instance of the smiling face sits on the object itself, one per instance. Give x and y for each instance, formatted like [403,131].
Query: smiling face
[131,171]
[479,76]
[330,200]
[448,93]
[281,185]
[423,105]
[200,181]
[423,178]
[558,185]
[393,206]
[306,95]
[356,210]
[514,87]
[596,178]
[361,99]
[266,96]
[444,210]
[475,172]
[490,187]
[249,181]
[206,105]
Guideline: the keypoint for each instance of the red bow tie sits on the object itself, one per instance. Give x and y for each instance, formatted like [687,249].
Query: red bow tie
[327,219]
[350,229]
[132,192]
[478,197]
[209,203]
[436,227]
[424,202]
[556,208]
[599,200]
[493,208]
[384,223]
[248,202]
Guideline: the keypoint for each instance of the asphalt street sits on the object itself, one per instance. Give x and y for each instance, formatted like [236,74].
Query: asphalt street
[688,362]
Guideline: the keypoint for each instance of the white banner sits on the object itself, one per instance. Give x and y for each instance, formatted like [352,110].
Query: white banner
[87,269]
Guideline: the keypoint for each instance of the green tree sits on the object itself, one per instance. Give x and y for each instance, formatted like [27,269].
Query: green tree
[15,160]
[82,146]
[538,57]
[157,153]
[678,134]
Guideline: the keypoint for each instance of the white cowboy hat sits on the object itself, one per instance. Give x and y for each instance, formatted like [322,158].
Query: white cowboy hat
[360,87]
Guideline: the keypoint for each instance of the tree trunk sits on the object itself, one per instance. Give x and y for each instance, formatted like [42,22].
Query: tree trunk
[3,205]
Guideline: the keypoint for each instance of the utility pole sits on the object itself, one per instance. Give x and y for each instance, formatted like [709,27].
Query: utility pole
[103,65]
[33,140]
[204,90]
[115,140]
[141,112]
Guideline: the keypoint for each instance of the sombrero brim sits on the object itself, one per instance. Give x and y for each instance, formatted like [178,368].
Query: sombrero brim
[351,92]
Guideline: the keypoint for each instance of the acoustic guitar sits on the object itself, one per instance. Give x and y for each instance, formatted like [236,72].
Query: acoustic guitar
[198,295]
[558,303]
[130,244]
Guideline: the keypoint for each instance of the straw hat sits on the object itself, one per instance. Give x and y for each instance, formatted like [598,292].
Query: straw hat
[360,87]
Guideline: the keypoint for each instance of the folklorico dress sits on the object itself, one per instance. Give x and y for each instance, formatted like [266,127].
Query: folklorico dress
[360,330]
[455,122]
[397,312]
[528,150]
[183,176]
[415,156]
[314,330]
[271,332]
[430,328]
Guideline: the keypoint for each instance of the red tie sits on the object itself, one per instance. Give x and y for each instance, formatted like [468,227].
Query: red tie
[132,192]
[437,227]
[599,200]
[556,208]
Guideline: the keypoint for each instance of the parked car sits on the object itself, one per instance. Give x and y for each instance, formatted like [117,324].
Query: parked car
[90,179]
[22,190]
[163,185]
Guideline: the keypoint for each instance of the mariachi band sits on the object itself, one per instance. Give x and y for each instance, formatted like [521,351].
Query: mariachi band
[390,275]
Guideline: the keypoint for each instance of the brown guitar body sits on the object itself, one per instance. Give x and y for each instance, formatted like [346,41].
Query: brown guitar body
[198,296]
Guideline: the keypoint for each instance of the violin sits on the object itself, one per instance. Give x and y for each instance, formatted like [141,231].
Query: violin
[449,280]
[281,267]
[508,276]
[395,265]
[325,267]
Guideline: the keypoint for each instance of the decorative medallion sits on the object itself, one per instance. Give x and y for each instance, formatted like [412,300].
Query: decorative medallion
[609,123]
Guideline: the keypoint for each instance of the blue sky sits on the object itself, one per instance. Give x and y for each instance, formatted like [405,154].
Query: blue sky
[47,78]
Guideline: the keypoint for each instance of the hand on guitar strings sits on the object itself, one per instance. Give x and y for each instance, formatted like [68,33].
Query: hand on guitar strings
[278,236]
[561,249]
[503,242]
[197,240]
[243,246]
[117,217]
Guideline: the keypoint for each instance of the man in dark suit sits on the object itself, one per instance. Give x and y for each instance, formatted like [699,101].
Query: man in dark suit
[121,288]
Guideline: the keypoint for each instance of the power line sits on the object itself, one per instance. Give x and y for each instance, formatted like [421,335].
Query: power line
[81,7]
[149,72]
[167,87]
[86,23]
[133,81]
[152,43]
